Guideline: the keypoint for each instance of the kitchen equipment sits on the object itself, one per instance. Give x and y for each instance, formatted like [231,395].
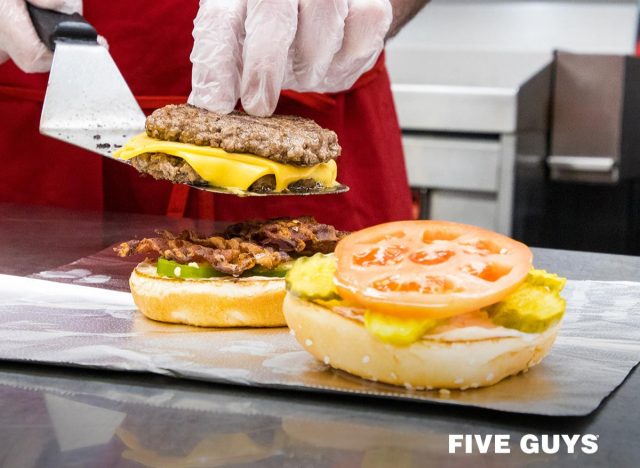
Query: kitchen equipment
[473,85]
[88,102]
[468,120]
[340,188]
[595,118]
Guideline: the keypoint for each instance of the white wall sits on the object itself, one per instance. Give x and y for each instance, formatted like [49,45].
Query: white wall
[596,26]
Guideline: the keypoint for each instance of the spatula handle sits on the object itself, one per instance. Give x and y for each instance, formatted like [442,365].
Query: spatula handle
[52,26]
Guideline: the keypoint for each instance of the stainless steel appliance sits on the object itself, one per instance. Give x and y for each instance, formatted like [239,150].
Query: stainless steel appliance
[474,85]
[466,116]
[596,110]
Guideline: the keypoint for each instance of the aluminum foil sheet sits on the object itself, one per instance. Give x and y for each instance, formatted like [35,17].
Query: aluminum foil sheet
[90,321]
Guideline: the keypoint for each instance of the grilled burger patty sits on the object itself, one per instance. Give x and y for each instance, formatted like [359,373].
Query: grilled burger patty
[163,166]
[281,138]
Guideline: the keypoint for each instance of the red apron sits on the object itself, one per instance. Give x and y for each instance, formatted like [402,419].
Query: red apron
[152,48]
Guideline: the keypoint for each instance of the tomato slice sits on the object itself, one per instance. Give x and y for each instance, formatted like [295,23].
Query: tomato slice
[434,269]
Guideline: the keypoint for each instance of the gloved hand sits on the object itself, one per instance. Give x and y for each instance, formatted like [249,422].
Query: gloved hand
[251,49]
[18,38]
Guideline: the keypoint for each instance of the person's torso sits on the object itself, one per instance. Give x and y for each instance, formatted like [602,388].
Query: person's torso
[151,42]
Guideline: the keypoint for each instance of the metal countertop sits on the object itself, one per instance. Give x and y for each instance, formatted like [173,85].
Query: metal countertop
[62,417]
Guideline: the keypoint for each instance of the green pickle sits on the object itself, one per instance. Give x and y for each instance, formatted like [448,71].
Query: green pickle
[204,270]
[397,330]
[311,278]
[278,272]
[534,307]
[178,270]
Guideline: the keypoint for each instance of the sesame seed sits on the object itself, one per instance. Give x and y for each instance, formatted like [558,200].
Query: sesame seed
[429,387]
[365,359]
[292,332]
[463,388]
[408,386]
[193,265]
[177,271]
[489,376]
[393,376]
[475,385]
[444,392]
[326,360]
[420,388]
[308,342]
[458,381]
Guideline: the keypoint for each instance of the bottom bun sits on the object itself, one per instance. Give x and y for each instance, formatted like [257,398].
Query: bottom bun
[347,345]
[211,302]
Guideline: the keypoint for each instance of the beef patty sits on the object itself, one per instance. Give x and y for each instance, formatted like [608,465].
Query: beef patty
[163,166]
[282,138]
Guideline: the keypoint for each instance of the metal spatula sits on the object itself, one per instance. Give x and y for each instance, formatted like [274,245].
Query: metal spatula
[87,103]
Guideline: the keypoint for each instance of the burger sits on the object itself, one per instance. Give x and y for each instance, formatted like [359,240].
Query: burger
[234,278]
[236,152]
[425,305]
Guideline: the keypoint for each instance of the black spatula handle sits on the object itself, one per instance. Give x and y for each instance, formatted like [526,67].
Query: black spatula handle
[52,26]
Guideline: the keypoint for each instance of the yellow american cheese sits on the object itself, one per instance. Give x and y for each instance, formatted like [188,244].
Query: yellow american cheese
[229,170]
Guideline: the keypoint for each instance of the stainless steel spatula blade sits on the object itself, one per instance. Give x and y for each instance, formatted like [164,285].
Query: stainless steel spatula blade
[88,103]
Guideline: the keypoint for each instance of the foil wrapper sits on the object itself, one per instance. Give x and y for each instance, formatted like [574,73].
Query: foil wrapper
[81,315]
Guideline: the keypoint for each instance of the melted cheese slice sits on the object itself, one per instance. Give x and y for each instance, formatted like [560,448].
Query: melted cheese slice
[229,170]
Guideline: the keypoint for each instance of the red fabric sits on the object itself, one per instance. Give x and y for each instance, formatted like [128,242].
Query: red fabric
[152,51]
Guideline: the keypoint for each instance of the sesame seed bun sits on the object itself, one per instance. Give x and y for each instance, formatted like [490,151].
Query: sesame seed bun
[211,302]
[346,344]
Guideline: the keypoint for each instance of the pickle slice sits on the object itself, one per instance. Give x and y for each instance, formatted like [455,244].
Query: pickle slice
[311,278]
[534,307]
[178,270]
[205,270]
[278,272]
[399,331]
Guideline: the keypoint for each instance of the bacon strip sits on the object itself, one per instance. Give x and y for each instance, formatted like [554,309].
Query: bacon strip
[241,246]
[303,236]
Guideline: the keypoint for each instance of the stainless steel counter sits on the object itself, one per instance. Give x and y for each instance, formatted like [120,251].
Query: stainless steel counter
[70,417]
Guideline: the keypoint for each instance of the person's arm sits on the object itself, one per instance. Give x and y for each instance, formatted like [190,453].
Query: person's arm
[403,12]
[18,38]
[252,49]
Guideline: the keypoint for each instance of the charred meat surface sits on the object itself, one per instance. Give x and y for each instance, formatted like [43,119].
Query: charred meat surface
[229,256]
[241,246]
[302,236]
[267,184]
[162,166]
[282,138]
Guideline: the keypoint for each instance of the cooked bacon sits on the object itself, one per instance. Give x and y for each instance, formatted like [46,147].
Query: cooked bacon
[301,236]
[241,246]
[233,257]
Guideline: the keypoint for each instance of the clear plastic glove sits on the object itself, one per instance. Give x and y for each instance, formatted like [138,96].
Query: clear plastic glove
[18,38]
[252,49]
